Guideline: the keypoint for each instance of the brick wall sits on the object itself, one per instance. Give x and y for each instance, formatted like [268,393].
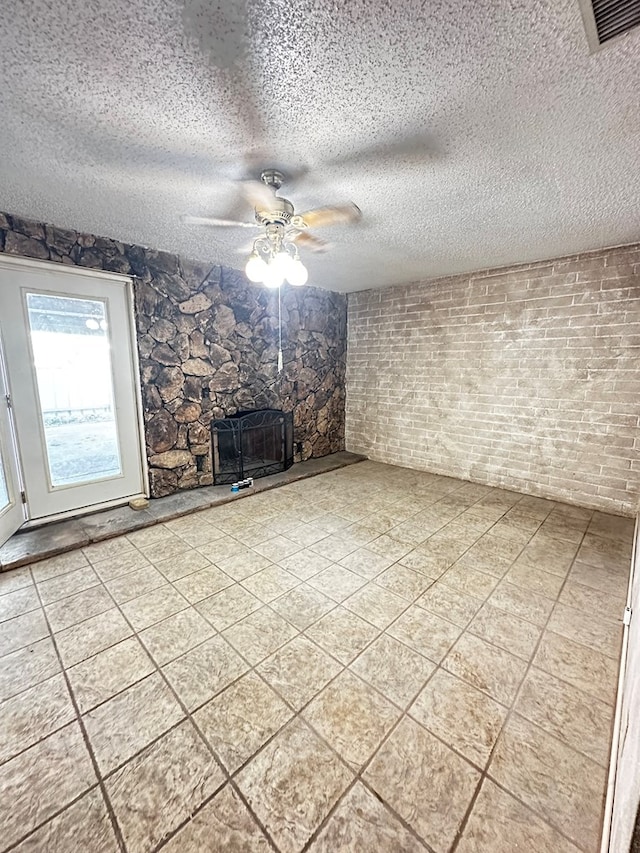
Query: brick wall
[526,378]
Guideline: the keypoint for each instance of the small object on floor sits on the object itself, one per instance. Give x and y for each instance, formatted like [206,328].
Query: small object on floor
[242,484]
[139,503]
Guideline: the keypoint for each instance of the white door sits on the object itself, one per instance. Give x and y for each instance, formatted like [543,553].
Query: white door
[71,368]
[12,511]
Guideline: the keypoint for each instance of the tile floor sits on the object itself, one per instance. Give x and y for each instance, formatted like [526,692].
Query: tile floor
[369,660]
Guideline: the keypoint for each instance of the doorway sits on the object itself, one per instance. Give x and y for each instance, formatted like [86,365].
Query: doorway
[70,435]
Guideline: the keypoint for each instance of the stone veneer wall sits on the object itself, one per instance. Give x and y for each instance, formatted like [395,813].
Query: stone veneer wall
[208,347]
[527,378]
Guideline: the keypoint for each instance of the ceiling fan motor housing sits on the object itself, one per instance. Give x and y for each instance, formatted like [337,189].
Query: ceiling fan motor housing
[280,212]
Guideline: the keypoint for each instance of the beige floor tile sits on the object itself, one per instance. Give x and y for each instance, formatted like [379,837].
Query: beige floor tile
[491,670]
[426,783]
[92,636]
[393,669]
[58,565]
[506,631]
[243,564]
[303,606]
[277,548]
[22,631]
[42,780]
[430,565]
[18,602]
[591,630]
[305,564]
[241,719]
[506,529]
[150,535]
[605,553]
[551,555]
[469,581]
[174,636]
[361,823]
[15,579]
[99,551]
[200,673]
[558,783]
[522,603]
[376,605]
[387,546]
[365,563]
[271,582]
[611,527]
[306,534]
[604,579]
[343,634]
[228,606]
[404,582]
[299,671]
[533,579]
[158,789]
[124,725]
[177,567]
[352,717]
[34,714]
[466,719]
[336,546]
[100,677]
[589,600]
[491,555]
[585,668]
[293,784]
[409,533]
[450,604]
[118,565]
[166,548]
[500,824]
[85,826]
[222,550]
[199,585]
[197,533]
[567,713]
[154,606]
[259,634]
[27,666]
[134,584]
[224,824]
[76,608]
[425,633]
[336,582]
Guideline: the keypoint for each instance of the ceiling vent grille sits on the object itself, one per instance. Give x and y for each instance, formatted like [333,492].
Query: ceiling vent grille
[606,19]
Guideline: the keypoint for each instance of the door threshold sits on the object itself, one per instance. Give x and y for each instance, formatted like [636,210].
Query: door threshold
[37,523]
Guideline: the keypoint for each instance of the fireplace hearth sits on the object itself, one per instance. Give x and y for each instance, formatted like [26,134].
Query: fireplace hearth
[251,444]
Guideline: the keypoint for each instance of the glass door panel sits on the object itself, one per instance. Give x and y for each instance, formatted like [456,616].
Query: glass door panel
[74,377]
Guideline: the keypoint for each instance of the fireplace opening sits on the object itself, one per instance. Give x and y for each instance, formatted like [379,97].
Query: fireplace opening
[251,444]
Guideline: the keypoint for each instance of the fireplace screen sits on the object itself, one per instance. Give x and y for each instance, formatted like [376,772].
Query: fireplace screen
[251,444]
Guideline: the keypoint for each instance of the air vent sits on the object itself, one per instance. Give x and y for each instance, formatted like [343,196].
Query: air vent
[614,17]
[606,19]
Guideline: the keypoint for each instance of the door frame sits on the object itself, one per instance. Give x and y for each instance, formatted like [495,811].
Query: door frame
[9,262]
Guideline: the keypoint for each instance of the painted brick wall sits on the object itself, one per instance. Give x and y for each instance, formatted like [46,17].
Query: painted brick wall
[526,378]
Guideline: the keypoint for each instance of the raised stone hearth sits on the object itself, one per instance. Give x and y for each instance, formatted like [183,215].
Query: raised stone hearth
[208,347]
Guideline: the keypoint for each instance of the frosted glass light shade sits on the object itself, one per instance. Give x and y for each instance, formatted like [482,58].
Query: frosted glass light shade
[256,269]
[297,273]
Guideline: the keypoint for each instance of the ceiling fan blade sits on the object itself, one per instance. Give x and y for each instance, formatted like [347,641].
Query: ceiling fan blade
[340,214]
[216,223]
[309,241]
[257,194]
[414,148]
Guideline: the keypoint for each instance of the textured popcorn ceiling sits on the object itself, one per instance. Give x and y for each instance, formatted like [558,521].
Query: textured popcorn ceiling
[470,134]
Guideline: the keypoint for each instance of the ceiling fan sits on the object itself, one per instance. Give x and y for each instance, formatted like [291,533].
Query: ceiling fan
[274,257]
